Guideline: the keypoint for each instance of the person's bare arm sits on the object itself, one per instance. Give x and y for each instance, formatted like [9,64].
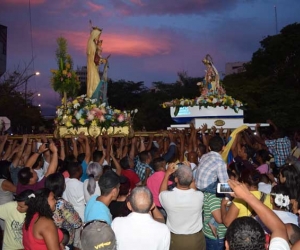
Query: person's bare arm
[204,137]
[156,214]
[93,144]
[75,148]
[48,231]
[20,152]
[54,160]
[132,152]
[12,153]
[119,152]
[142,144]
[181,155]
[267,216]
[2,143]
[46,154]
[125,148]
[149,146]
[8,186]
[85,143]
[8,152]
[100,143]
[116,163]
[3,139]
[62,152]
[217,215]
[170,170]
[30,162]
[228,216]
[108,148]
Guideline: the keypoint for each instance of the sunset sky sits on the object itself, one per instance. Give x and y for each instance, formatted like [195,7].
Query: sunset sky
[149,40]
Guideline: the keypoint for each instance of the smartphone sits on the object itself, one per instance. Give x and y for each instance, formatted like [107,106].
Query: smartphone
[224,188]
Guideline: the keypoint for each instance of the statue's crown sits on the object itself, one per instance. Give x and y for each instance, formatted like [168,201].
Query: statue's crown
[96,28]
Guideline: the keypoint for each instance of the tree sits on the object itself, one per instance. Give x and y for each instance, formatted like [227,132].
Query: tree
[23,116]
[270,84]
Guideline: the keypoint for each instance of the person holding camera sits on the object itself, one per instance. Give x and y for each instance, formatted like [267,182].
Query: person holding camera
[184,209]
[27,177]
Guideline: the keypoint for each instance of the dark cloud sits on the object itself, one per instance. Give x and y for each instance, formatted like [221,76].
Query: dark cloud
[174,7]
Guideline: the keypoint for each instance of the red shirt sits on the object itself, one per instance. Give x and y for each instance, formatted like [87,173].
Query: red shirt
[32,243]
[132,176]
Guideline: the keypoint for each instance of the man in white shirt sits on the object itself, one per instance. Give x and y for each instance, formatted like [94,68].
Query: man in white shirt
[139,230]
[184,209]
[74,194]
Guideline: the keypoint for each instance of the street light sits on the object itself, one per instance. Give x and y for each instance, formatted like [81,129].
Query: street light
[26,82]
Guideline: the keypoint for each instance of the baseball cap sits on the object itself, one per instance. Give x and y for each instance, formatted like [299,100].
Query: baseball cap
[110,180]
[98,235]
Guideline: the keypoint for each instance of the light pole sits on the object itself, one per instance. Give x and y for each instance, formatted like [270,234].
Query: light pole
[26,82]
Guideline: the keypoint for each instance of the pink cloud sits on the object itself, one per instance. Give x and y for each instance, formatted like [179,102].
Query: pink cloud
[137,2]
[94,7]
[135,45]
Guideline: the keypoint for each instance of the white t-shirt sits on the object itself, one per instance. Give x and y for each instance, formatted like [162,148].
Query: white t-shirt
[87,196]
[184,209]
[278,244]
[42,171]
[74,194]
[140,231]
[264,187]
[287,217]
[13,225]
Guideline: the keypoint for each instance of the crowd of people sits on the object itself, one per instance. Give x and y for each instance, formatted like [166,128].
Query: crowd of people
[152,192]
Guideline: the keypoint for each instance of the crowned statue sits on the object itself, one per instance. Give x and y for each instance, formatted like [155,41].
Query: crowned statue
[96,87]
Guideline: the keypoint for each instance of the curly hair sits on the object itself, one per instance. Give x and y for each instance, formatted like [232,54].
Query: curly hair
[245,233]
[38,204]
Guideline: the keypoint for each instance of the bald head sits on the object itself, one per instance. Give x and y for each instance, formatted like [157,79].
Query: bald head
[141,200]
[184,176]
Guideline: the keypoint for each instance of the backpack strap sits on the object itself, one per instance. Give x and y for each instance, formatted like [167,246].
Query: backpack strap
[262,199]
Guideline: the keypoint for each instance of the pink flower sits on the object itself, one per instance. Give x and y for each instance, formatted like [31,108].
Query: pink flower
[73,121]
[121,118]
[102,118]
[90,117]
[69,75]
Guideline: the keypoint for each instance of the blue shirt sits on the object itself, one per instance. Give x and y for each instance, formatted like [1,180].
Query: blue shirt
[84,174]
[96,210]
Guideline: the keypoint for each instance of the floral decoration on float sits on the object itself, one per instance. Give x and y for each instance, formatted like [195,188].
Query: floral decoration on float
[83,114]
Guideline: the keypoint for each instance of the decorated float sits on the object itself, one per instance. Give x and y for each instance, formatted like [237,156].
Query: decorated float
[214,107]
[89,114]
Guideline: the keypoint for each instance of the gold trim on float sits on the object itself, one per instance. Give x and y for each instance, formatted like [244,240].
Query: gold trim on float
[93,131]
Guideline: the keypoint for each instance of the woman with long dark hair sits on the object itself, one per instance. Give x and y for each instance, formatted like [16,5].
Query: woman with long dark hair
[239,207]
[39,230]
[64,216]
[288,176]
